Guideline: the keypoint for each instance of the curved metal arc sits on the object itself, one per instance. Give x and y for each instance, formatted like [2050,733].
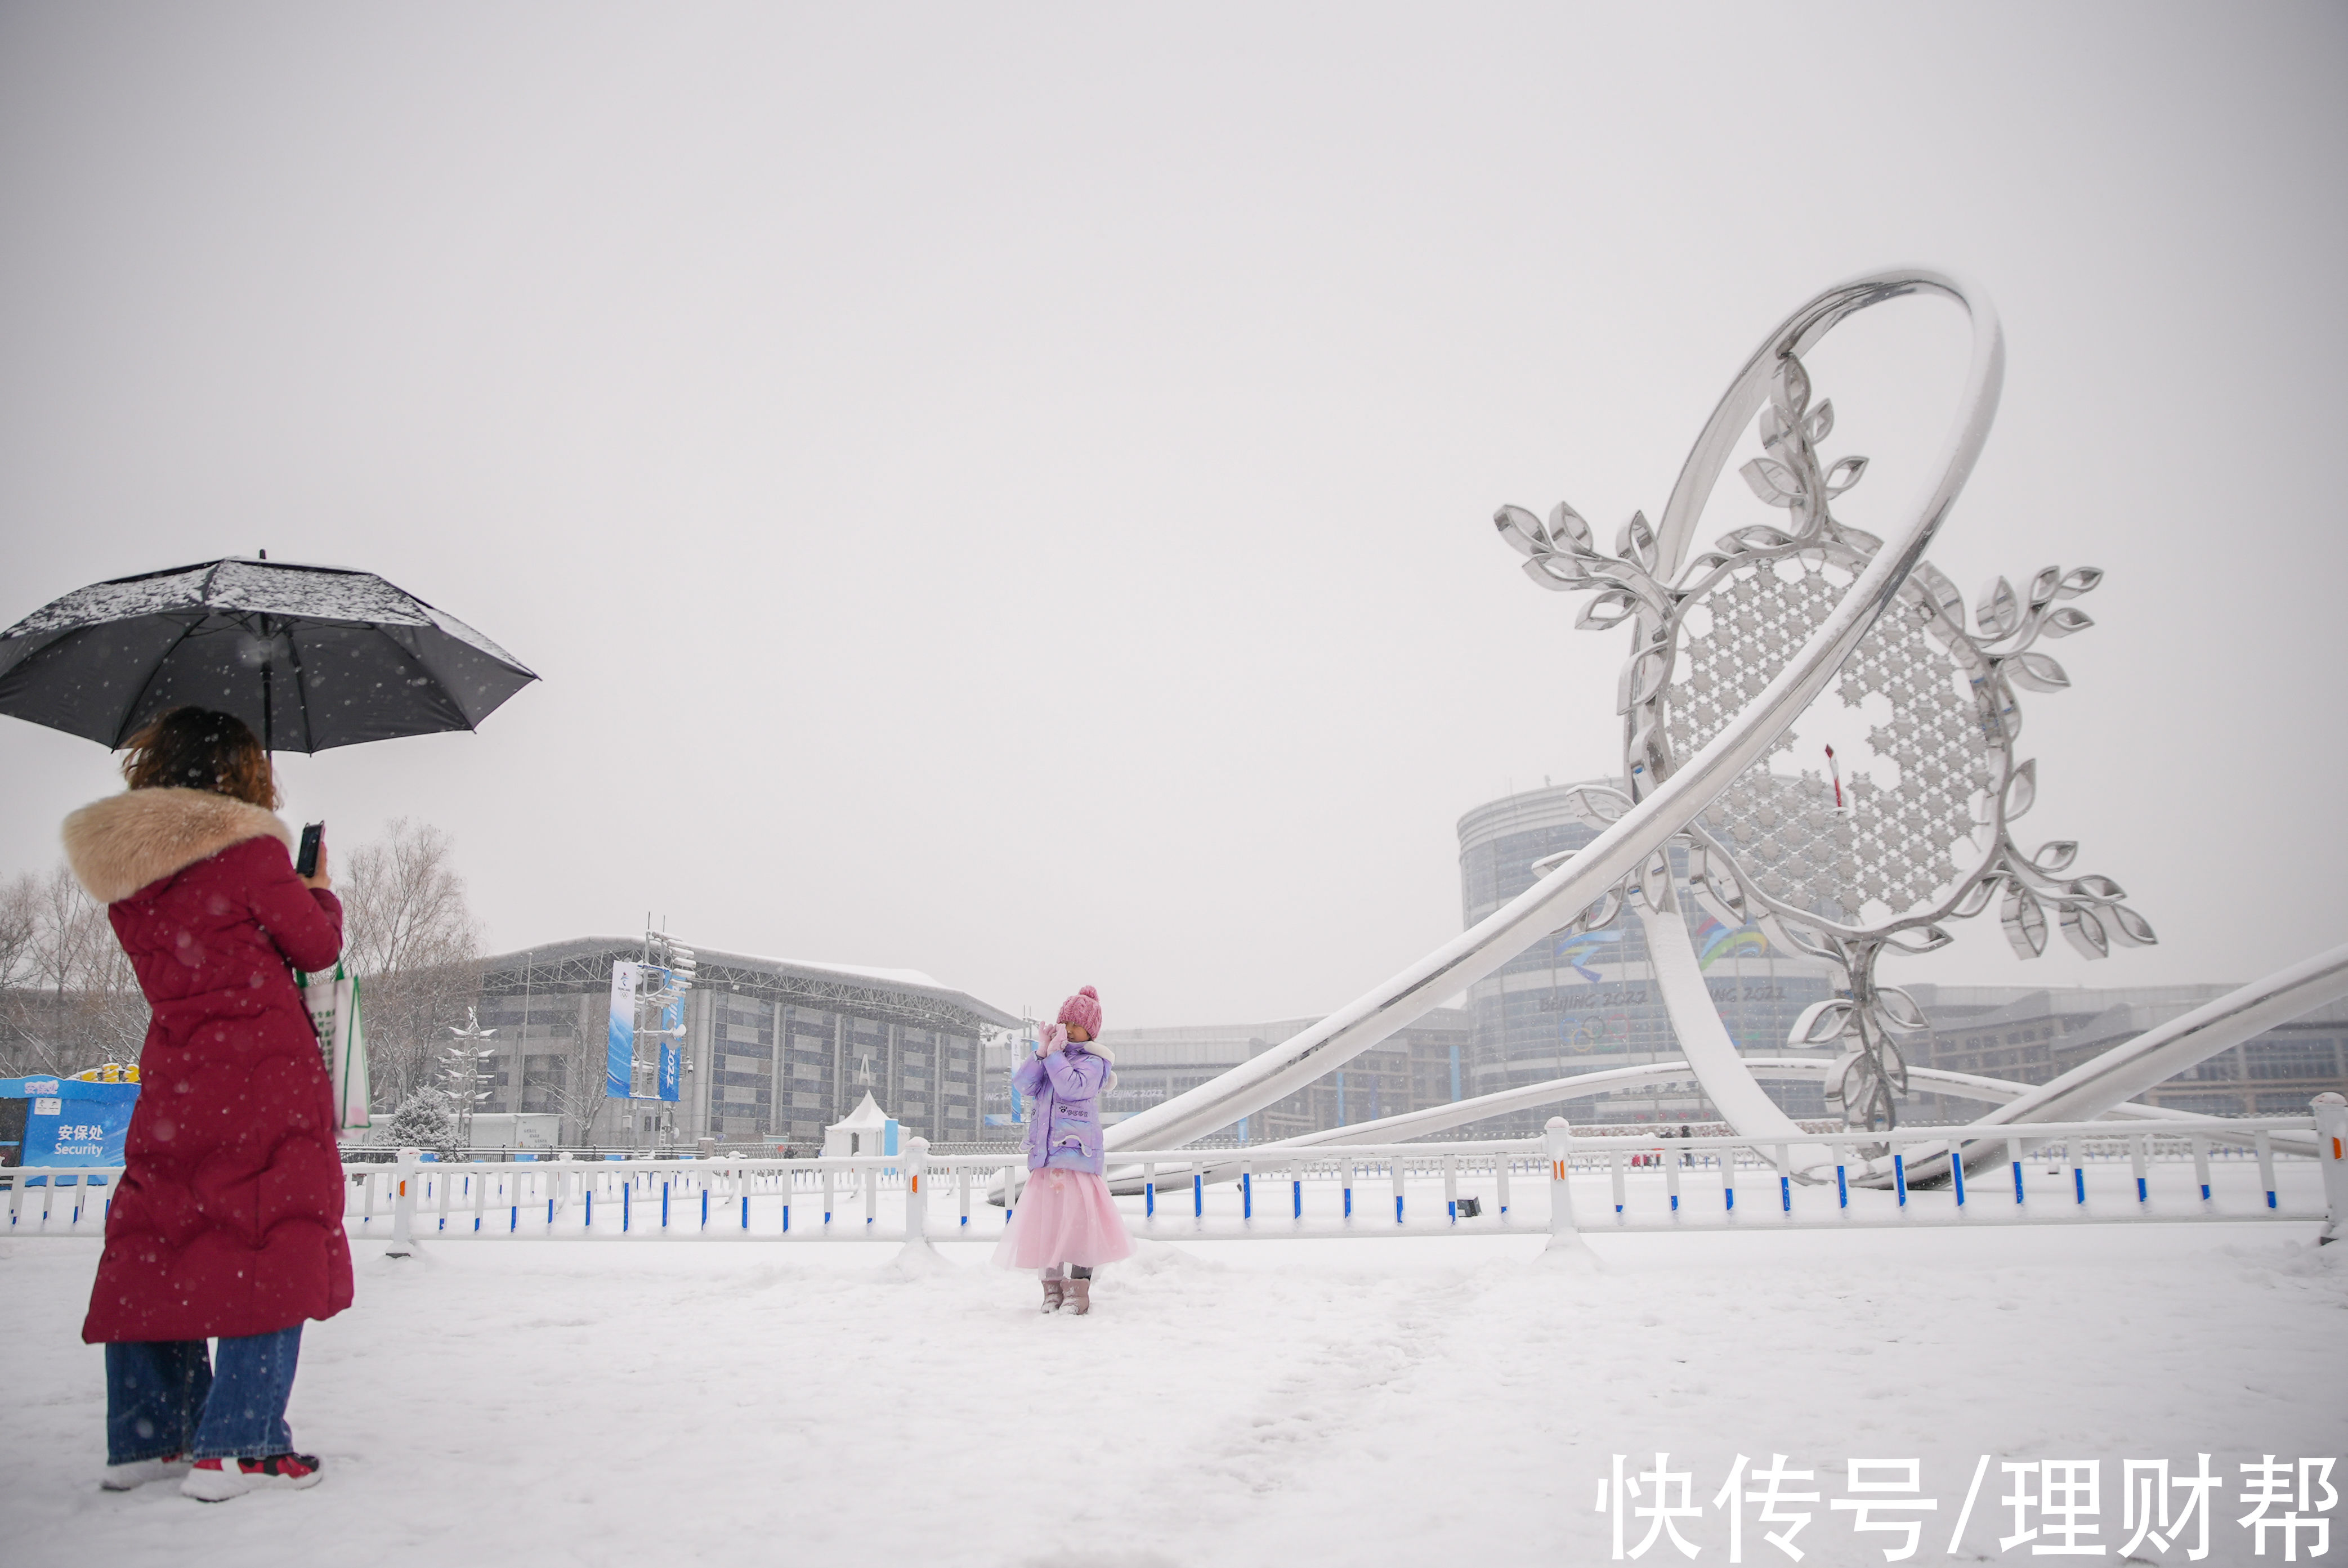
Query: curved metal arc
[1617,850]
[1708,458]
[1411,1125]
[1703,1038]
[1687,1002]
[2126,1070]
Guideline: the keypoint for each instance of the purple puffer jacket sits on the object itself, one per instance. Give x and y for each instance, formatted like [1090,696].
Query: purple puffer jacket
[1065,1131]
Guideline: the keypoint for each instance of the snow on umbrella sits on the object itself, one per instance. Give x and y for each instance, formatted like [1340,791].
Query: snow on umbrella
[312,657]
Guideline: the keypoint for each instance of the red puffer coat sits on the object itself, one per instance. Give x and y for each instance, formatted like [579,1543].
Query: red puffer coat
[228,1219]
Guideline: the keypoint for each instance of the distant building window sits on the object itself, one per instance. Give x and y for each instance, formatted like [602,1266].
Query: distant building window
[2313,1059]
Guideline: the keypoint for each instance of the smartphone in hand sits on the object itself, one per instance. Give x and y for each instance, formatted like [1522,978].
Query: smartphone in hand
[305,860]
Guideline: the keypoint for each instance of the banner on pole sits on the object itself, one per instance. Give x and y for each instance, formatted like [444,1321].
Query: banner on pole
[672,1049]
[620,1052]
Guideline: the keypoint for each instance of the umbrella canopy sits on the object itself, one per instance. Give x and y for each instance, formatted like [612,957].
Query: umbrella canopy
[312,657]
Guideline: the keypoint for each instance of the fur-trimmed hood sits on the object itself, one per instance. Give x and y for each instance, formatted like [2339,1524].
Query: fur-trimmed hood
[120,845]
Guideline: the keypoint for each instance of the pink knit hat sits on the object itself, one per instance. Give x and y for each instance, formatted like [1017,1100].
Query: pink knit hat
[1083,1011]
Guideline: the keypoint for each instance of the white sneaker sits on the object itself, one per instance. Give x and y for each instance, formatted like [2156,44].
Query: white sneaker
[218,1479]
[138,1473]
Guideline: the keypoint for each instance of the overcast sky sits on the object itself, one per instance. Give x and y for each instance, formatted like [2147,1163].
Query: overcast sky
[1004,491]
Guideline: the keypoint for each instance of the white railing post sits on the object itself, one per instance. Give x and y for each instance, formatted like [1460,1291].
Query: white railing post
[1557,1139]
[2332,1157]
[917,1194]
[403,1206]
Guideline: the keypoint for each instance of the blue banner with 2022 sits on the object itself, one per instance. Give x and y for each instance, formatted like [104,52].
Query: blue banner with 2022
[69,1121]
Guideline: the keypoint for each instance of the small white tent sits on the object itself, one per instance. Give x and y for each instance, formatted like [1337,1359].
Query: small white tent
[867,1130]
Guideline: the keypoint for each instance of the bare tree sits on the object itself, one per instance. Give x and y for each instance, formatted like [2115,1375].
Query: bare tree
[23,1019]
[68,999]
[20,920]
[579,1086]
[411,938]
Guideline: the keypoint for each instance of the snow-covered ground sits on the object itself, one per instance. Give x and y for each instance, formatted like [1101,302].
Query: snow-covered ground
[1410,1402]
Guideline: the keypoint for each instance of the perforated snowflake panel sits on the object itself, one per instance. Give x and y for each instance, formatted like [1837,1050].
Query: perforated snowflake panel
[1891,852]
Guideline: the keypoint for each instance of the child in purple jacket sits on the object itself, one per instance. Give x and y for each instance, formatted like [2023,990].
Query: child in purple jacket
[1065,1221]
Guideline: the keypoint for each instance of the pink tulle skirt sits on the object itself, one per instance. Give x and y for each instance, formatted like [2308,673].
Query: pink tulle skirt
[1063,1216]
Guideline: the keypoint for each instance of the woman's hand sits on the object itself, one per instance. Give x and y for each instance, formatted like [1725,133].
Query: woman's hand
[321,881]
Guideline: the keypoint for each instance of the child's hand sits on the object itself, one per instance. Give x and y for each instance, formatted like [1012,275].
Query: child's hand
[1055,1038]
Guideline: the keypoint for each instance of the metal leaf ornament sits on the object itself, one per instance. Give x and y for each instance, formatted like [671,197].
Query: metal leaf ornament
[1699,651]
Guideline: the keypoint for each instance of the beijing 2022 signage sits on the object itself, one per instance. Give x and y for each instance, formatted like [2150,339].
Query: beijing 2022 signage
[628,981]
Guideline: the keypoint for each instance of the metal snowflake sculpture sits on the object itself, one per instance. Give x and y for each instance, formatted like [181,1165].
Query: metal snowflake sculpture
[1923,835]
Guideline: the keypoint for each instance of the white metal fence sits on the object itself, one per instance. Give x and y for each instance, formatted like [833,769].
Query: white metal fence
[1558,1184]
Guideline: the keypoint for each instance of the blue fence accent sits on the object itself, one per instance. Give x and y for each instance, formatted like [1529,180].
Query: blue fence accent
[1246,1194]
[2079,1182]
[1198,1194]
[1957,1176]
[2017,1185]
[1842,1187]
[1900,1177]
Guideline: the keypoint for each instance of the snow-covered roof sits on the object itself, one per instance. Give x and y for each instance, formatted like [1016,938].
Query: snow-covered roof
[861,972]
[913,981]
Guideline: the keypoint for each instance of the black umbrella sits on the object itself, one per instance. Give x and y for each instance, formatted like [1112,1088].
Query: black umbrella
[312,657]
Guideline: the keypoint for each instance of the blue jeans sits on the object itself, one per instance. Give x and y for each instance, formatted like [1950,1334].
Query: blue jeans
[164,1398]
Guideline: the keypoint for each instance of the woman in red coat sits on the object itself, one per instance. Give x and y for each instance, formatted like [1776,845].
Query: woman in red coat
[228,1222]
